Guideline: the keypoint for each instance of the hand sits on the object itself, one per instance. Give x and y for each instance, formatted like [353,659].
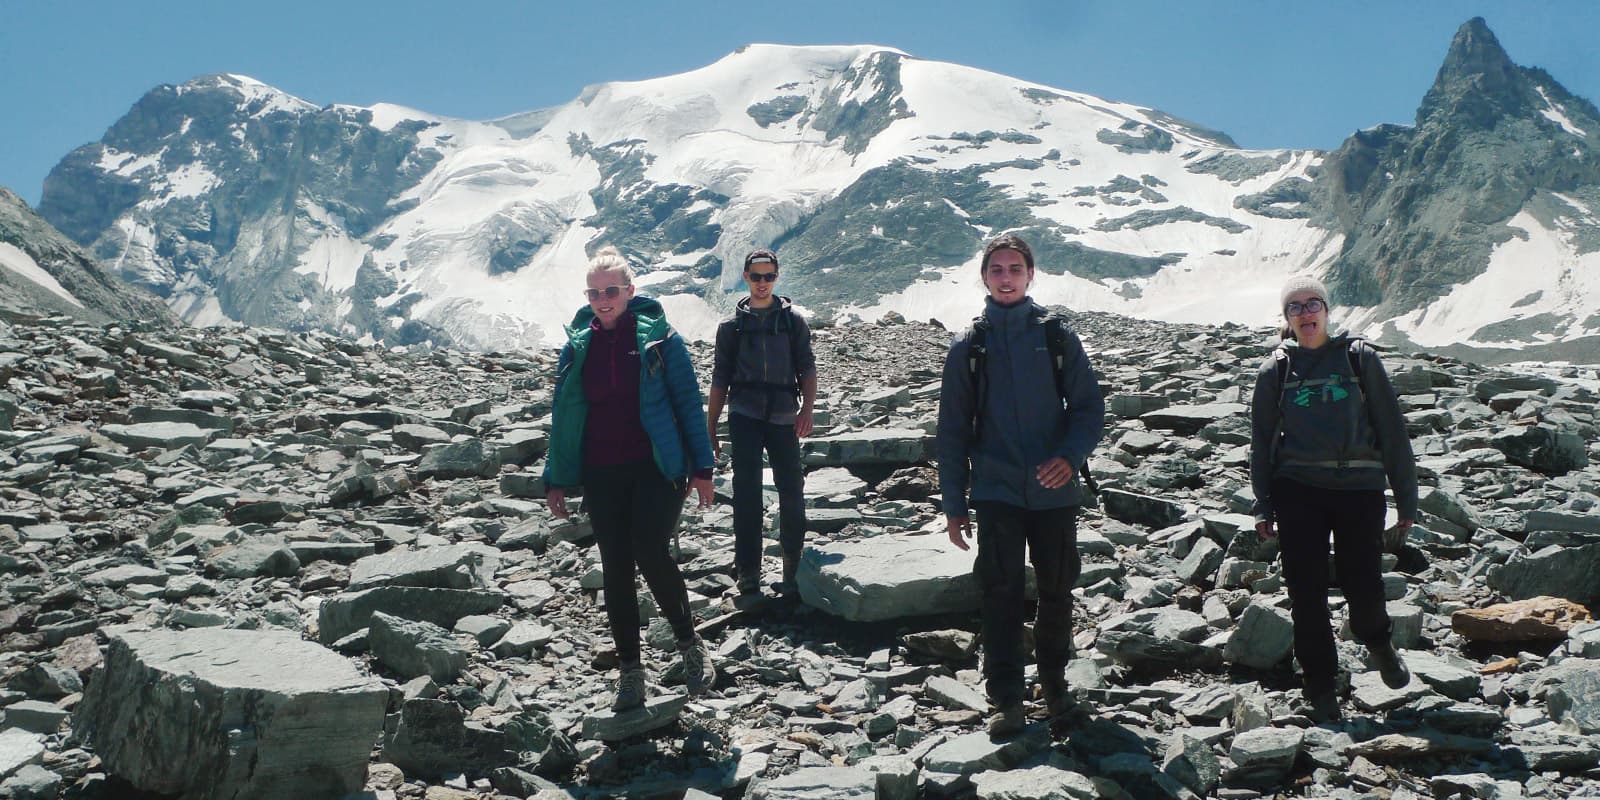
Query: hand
[802,423]
[1055,473]
[702,488]
[960,530]
[1265,531]
[556,497]
[716,443]
[1403,525]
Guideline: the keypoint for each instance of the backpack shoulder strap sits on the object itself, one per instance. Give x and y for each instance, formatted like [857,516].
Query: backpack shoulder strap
[977,355]
[1055,339]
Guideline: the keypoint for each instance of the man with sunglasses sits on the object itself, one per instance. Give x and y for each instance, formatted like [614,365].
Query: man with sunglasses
[765,372]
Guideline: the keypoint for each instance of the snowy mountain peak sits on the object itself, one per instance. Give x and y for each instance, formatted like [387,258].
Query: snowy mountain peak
[875,174]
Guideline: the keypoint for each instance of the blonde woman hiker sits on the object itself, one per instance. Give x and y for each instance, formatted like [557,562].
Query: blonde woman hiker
[630,430]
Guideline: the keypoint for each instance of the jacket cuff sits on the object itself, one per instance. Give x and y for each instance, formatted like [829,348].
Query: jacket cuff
[703,474]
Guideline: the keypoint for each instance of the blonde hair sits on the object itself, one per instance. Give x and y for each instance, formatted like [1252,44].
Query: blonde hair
[610,259]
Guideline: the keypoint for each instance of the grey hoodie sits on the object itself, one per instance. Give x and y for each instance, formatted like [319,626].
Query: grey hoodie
[1024,423]
[1337,432]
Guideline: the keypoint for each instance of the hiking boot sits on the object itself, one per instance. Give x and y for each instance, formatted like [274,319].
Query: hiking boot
[698,672]
[1390,666]
[631,689]
[1007,721]
[1319,706]
[748,583]
[791,567]
[1064,710]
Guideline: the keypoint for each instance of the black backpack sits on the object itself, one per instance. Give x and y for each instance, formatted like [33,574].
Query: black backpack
[1055,340]
[785,325]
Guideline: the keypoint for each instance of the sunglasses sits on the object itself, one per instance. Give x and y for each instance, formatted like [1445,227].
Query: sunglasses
[610,292]
[1312,306]
[761,277]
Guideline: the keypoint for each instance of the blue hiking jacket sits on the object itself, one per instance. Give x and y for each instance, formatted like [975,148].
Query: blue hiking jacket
[671,408]
[1024,422]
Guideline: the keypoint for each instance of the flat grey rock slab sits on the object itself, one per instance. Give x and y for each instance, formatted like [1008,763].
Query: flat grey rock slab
[344,614]
[35,716]
[1043,782]
[1369,693]
[164,435]
[888,577]
[954,694]
[976,752]
[212,713]
[658,712]
[1262,757]
[463,566]
[820,783]
[1454,678]
[877,446]
[17,748]
[411,648]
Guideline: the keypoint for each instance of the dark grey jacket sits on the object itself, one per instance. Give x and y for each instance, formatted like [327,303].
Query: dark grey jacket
[1336,432]
[774,349]
[1024,423]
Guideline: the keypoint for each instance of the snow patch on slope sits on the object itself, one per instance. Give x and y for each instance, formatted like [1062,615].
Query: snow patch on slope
[14,259]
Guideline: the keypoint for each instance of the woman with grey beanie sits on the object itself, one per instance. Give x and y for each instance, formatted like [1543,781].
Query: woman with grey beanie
[1327,437]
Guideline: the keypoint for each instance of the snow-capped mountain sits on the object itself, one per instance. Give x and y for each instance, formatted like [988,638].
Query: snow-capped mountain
[875,174]
[44,273]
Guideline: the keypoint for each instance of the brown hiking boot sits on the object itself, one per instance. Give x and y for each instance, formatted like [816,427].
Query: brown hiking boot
[1007,721]
[791,567]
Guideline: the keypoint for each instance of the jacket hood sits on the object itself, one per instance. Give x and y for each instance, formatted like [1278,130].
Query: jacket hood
[779,302]
[1342,339]
[645,308]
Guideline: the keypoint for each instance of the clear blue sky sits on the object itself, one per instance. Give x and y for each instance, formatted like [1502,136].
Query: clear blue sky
[1271,73]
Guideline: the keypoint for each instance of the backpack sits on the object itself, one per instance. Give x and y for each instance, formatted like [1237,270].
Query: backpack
[1281,358]
[1055,340]
[784,325]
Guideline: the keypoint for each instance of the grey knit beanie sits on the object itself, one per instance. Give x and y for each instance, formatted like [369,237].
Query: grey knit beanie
[1302,283]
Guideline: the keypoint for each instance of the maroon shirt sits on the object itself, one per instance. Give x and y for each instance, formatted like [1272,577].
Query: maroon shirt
[613,433]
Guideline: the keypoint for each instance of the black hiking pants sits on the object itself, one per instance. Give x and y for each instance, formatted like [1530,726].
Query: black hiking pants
[1050,537]
[634,511]
[1306,515]
[749,437]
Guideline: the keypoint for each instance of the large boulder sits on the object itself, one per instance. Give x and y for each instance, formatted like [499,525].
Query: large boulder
[464,566]
[1554,571]
[1263,638]
[410,648]
[869,447]
[1542,448]
[888,577]
[346,613]
[237,714]
[468,458]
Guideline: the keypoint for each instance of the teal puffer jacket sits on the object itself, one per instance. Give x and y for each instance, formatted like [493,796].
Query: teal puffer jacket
[671,408]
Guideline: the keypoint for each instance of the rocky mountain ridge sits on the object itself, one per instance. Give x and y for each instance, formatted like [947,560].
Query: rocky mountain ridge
[180,501]
[43,273]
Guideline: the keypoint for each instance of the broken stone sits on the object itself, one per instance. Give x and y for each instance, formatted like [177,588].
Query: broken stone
[231,713]
[1535,619]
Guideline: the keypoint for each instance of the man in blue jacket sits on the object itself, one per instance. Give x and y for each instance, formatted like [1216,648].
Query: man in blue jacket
[1019,412]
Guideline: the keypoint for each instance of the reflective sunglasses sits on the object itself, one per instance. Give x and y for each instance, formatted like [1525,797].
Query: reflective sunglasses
[610,292]
[1312,306]
[761,277]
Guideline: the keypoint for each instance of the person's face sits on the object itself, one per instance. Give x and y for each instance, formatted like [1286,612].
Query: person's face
[762,277]
[1310,327]
[609,293]
[1007,276]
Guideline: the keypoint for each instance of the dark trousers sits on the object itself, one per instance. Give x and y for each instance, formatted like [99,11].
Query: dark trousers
[1051,538]
[749,437]
[1306,515]
[634,511]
